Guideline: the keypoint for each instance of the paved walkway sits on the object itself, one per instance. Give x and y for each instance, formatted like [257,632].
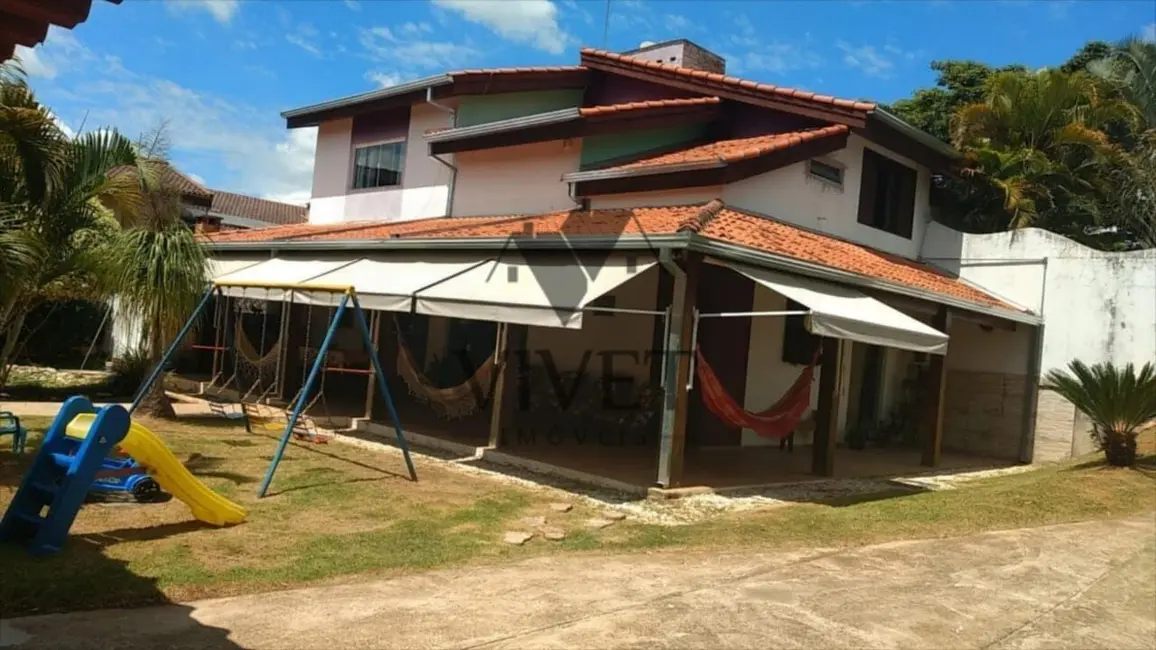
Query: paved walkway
[1085,585]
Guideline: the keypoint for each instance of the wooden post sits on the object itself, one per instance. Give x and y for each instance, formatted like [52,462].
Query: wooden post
[371,383]
[501,361]
[827,414]
[936,391]
[672,446]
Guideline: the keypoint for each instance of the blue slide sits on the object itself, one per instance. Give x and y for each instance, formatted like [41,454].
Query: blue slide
[61,475]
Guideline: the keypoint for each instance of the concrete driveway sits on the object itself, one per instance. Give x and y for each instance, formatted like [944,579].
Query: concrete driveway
[1090,585]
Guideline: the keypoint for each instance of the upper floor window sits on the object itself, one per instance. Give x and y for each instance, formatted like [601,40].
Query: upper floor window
[887,195]
[378,165]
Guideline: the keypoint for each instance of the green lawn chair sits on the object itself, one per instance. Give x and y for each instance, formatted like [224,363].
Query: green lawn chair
[10,425]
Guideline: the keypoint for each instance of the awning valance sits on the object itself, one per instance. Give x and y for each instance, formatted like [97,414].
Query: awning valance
[845,313]
[547,290]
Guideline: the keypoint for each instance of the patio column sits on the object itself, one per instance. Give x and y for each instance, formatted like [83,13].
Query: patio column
[501,360]
[936,391]
[827,413]
[672,445]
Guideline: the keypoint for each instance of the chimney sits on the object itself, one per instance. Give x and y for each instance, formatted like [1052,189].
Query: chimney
[681,53]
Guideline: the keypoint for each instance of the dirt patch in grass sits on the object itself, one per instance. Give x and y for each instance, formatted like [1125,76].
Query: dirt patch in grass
[337,511]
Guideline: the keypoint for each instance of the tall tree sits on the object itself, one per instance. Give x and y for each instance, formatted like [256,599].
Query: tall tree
[1091,51]
[56,198]
[957,84]
[1037,141]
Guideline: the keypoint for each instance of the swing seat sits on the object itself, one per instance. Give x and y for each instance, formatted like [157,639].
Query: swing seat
[263,418]
[223,410]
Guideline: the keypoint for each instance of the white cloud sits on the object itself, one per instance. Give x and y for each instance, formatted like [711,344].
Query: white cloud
[872,62]
[59,53]
[384,79]
[755,52]
[221,10]
[677,23]
[353,5]
[382,44]
[1149,33]
[196,178]
[414,29]
[305,37]
[533,22]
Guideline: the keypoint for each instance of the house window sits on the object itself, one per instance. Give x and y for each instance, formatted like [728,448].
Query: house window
[378,165]
[799,345]
[887,195]
[826,171]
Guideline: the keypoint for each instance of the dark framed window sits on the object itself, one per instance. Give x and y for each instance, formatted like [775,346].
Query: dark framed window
[378,165]
[799,345]
[826,171]
[887,194]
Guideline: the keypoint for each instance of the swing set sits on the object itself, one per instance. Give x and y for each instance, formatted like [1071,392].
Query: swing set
[297,424]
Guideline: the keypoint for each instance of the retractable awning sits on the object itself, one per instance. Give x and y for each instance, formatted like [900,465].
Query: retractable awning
[844,313]
[387,283]
[220,267]
[269,280]
[546,291]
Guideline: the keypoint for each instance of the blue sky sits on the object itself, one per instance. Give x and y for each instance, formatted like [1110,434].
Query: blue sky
[221,71]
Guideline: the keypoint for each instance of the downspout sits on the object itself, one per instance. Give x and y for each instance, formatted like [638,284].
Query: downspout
[672,352]
[453,168]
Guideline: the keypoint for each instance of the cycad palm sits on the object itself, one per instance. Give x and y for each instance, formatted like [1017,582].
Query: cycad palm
[1118,401]
[1037,142]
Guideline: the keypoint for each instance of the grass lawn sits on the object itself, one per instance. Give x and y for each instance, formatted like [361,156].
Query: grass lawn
[337,511]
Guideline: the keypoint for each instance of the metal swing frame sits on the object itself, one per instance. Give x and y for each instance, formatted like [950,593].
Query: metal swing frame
[348,300]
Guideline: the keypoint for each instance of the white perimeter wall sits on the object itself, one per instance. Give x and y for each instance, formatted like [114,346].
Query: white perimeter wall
[425,181]
[1097,306]
[790,194]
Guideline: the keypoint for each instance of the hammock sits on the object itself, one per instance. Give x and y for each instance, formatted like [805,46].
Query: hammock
[249,354]
[451,403]
[777,422]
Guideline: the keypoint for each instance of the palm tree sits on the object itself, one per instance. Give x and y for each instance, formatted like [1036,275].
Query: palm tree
[1118,401]
[56,202]
[1132,66]
[1037,145]
[162,266]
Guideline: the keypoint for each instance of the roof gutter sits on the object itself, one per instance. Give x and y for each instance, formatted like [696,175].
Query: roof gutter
[926,139]
[630,172]
[778,262]
[502,126]
[382,93]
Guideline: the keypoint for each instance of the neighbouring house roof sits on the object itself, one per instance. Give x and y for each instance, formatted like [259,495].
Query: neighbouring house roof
[712,222]
[229,204]
[26,22]
[175,180]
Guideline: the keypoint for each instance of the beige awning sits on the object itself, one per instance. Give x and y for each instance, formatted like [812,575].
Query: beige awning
[269,280]
[219,267]
[547,290]
[388,283]
[841,312]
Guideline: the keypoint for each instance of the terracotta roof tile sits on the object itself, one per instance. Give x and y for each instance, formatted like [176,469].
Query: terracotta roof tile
[600,111]
[251,207]
[772,236]
[542,69]
[723,80]
[172,178]
[728,151]
[712,220]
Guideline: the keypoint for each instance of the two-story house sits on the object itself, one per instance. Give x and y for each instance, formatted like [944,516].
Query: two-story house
[640,206]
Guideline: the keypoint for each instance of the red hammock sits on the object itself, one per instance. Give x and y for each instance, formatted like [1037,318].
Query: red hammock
[777,422]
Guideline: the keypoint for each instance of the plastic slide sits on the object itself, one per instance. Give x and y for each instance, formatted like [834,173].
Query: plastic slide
[152,453]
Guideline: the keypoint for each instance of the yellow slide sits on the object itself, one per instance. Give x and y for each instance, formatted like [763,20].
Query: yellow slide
[154,455]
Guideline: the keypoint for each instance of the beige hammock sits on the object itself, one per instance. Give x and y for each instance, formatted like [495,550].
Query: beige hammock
[249,354]
[450,403]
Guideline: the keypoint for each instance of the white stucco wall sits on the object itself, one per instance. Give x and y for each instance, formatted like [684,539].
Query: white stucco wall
[425,181]
[791,195]
[525,179]
[1097,306]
